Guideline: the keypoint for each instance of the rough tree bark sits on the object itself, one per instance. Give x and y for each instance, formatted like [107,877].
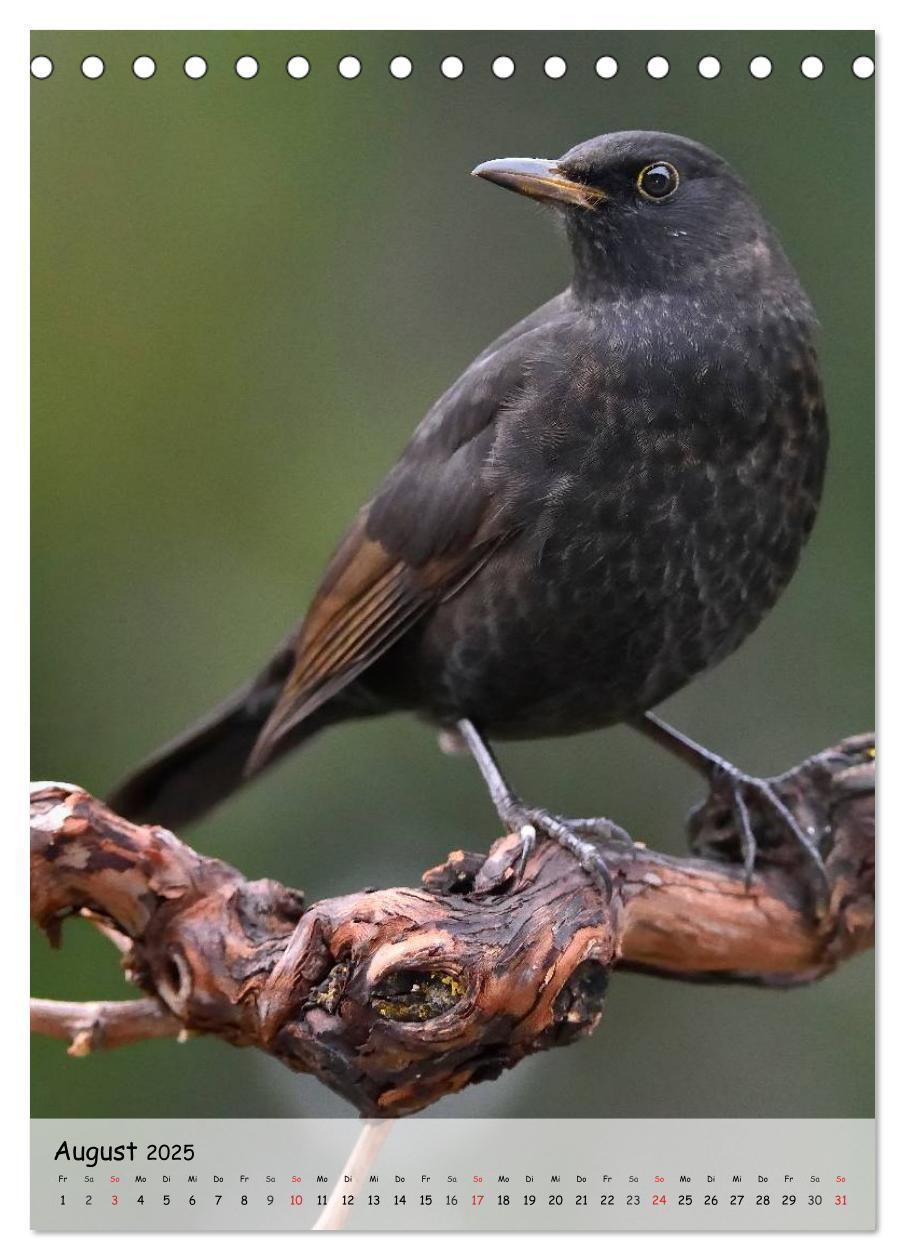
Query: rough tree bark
[396,997]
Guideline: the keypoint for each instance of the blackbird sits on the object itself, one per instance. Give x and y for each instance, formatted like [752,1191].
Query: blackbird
[605,503]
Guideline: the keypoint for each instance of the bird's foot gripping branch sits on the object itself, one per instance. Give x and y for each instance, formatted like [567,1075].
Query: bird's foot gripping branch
[396,997]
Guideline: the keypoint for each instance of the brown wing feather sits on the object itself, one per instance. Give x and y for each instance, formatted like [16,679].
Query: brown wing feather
[367,600]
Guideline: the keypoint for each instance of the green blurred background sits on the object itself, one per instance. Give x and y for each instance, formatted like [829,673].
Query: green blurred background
[245,295]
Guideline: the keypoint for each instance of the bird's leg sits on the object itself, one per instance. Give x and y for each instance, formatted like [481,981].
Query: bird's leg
[740,792]
[527,821]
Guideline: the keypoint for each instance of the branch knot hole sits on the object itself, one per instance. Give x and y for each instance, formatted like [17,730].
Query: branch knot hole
[174,984]
[579,1004]
[410,996]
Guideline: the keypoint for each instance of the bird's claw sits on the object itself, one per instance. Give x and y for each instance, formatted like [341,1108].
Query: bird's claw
[528,822]
[528,837]
[741,793]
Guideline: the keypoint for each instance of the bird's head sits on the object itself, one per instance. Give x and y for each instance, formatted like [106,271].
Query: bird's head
[645,209]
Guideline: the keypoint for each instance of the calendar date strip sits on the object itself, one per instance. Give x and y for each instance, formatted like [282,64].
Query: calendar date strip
[397,997]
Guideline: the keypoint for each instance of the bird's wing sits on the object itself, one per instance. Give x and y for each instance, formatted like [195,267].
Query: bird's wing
[368,599]
[429,529]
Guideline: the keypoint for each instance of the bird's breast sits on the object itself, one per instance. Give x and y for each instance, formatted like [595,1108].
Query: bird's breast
[659,499]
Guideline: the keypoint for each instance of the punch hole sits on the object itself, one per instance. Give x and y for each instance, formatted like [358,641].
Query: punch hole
[349,67]
[195,67]
[41,67]
[709,67]
[761,67]
[247,67]
[92,67]
[297,67]
[452,67]
[144,67]
[503,67]
[863,67]
[400,67]
[555,67]
[658,67]
[812,67]
[607,67]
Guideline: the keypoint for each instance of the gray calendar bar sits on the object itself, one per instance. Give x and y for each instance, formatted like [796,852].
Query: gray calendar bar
[99,1175]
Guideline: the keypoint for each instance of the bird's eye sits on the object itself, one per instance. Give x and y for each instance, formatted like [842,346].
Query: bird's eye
[657,181]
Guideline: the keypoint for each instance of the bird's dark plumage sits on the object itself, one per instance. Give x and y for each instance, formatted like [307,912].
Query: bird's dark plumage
[604,504]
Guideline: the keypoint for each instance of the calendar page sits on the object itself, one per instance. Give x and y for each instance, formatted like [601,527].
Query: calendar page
[452,553]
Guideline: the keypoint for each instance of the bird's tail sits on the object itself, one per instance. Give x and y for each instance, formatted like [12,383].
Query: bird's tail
[200,768]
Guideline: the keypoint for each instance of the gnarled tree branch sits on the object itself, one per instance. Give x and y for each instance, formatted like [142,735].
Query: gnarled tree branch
[396,997]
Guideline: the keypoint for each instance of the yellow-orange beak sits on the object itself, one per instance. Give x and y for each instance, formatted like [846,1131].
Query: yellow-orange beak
[540,179]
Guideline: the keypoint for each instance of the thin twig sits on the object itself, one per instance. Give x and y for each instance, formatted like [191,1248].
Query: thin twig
[91,1026]
[118,939]
[360,1162]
